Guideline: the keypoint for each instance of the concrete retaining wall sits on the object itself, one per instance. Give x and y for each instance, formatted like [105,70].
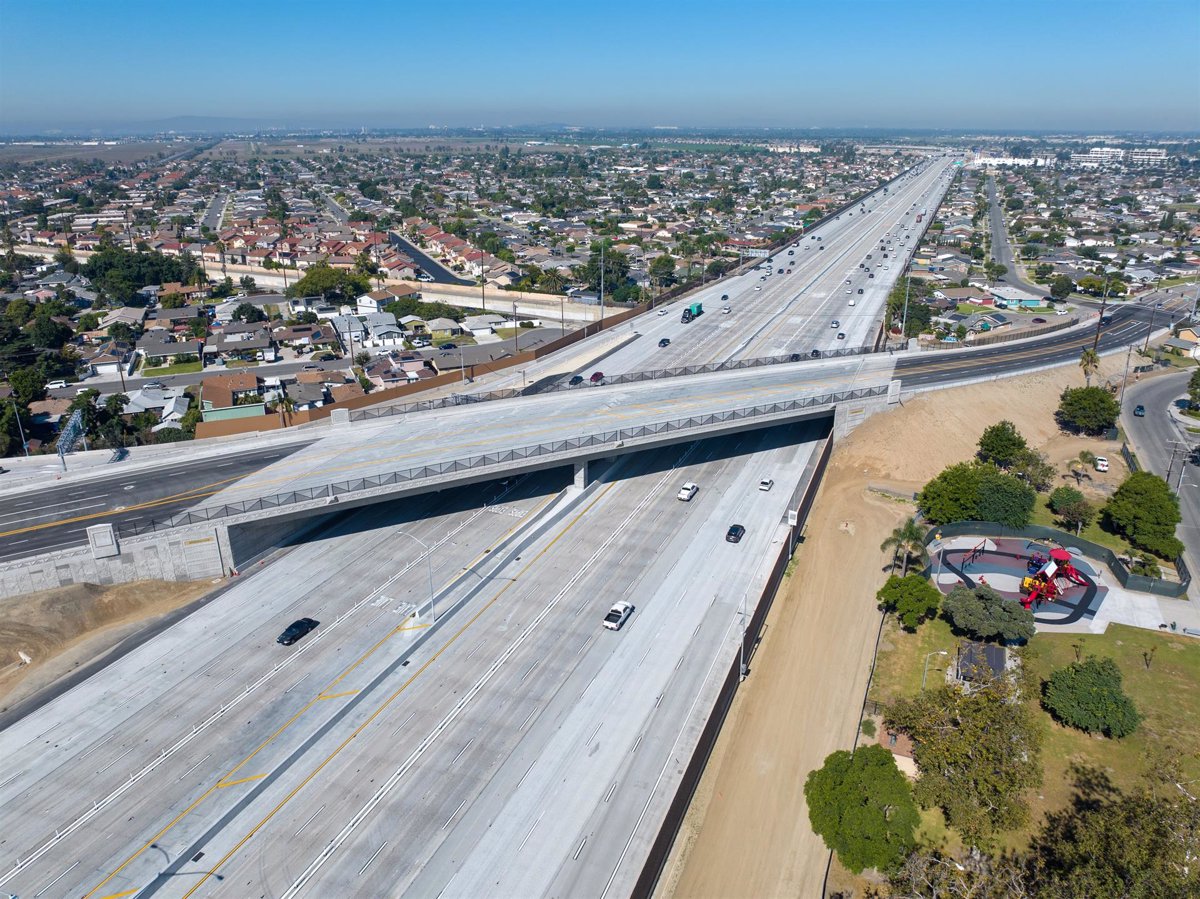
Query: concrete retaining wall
[191,555]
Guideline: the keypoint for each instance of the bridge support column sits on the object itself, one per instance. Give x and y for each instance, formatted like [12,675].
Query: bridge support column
[893,392]
[581,475]
[225,549]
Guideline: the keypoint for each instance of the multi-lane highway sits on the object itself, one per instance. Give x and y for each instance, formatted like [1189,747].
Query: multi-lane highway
[514,748]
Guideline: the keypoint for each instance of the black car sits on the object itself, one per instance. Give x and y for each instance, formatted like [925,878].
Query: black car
[296,630]
[575,379]
[666,341]
[1139,411]
[735,533]
[448,346]
[816,354]
[724,297]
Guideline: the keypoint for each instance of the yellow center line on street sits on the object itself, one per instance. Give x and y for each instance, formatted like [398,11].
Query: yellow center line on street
[343,693]
[241,780]
[122,894]
[308,705]
[398,692]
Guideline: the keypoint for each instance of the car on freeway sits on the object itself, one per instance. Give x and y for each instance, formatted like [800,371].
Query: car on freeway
[841,335]
[791,252]
[835,324]
[297,630]
[618,615]
[662,311]
[597,377]
[871,275]
[1104,320]
[735,533]
[575,380]
[816,354]
[766,484]
[852,301]
[860,290]
[1139,410]
[666,341]
[725,310]
[686,492]
[849,290]
[724,298]
[758,287]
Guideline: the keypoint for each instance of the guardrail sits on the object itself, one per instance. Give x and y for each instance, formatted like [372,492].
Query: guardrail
[335,491]
[1128,579]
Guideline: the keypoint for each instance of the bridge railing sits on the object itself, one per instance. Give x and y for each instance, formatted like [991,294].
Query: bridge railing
[334,492]
[561,383]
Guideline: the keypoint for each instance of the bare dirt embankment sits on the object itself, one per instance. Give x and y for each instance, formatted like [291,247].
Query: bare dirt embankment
[63,629]
[747,832]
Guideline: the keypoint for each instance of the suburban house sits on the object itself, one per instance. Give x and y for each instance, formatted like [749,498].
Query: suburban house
[306,336]
[443,327]
[414,324]
[109,359]
[244,341]
[483,324]
[964,295]
[188,292]
[305,396]
[161,349]
[350,331]
[377,299]
[168,405]
[383,331]
[235,395]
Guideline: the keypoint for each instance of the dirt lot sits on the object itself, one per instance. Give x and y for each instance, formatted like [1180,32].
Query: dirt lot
[59,630]
[747,832]
[120,153]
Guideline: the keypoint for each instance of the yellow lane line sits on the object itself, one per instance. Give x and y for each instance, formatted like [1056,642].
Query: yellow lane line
[241,780]
[339,695]
[414,627]
[292,720]
[121,894]
[390,699]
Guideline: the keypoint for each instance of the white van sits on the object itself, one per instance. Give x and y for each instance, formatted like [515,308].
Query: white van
[687,491]
[56,385]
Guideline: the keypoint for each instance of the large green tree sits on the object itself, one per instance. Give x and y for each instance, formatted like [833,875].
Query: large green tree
[861,806]
[978,753]
[986,615]
[1001,444]
[975,491]
[1061,287]
[1146,512]
[912,598]
[1090,410]
[326,281]
[1088,695]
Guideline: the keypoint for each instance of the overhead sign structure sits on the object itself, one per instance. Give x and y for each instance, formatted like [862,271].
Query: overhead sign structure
[71,434]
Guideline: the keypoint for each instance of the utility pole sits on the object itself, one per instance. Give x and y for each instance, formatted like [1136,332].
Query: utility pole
[1125,378]
[1100,320]
[1150,330]
[602,247]
[20,430]
[904,320]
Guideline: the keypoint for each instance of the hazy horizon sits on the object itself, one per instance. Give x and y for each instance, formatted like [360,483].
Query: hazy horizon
[1068,66]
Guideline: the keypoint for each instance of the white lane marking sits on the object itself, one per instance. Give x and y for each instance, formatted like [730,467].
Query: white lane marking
[43,890]
[44,514]
[372,858]
[309,820]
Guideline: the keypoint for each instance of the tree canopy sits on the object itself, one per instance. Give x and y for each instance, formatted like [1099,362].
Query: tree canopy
[1001,444]
[912,598]
[1146,511]
[861,806]
[978,752]
[986,615]
[1088,695]
[325,281]
[976,491]
[1090,410]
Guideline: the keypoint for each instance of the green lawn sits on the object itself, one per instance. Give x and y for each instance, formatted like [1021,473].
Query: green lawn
[459,339]
[183,368]
[1043,516]
[901,658]
[239,363]
[1165,694]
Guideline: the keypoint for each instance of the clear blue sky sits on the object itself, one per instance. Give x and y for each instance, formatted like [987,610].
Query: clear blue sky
[1025,64]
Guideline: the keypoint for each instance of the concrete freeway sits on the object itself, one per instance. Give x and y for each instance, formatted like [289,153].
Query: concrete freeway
[515,748]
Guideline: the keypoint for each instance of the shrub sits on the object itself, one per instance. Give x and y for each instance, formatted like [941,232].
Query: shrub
[1089,410]
[1146,512]
[986,615]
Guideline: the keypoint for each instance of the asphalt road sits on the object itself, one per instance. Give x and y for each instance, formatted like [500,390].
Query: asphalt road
[429,265]
[1162,447]
[1002,250]
[105,499]
[515,748]
[216,210]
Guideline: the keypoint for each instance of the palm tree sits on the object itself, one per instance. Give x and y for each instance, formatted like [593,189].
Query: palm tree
[1089,361]
[908,540]
[551,281]
[287,406]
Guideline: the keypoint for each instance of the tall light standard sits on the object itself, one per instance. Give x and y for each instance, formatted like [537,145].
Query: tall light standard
[20,430]
[742,640]
[429,564]
[939,652]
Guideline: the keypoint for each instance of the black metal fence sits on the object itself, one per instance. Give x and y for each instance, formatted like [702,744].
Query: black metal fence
[1115,563]
[1130,459]
[334,492]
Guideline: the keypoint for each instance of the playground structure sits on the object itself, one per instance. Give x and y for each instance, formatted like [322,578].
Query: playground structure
[1043,574]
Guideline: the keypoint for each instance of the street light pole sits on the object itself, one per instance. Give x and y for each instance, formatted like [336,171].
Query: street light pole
[429,564]
[1125,377]
[1100,320]
[939,652]
[742,640]
[1150,330]
[20,430]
